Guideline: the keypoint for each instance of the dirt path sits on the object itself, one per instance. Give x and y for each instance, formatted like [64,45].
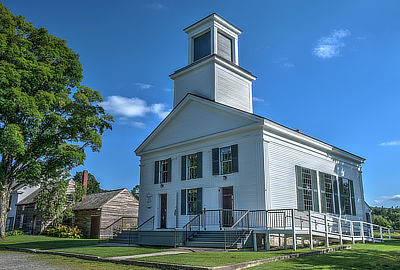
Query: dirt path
[22,261]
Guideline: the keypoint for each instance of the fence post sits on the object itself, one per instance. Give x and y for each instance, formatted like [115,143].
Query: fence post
[204,219]
[267,247]
[293,231]
[362,232]
[390,237]
[371,227]
[380,231]
[310,229]
[254,241]
[326,232]
[220,219]
[352,231]
[340,231]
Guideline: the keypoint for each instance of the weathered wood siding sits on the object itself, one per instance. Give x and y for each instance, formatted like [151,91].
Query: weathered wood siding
[83,220]
[122,205]
[29,213]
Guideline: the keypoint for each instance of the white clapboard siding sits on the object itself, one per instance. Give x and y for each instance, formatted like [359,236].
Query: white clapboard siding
[224,46]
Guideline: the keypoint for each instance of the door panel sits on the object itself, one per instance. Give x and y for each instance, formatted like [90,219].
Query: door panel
[95,227]
[227,206]
[163,219]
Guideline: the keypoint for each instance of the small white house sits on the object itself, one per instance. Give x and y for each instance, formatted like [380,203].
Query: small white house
[212,152]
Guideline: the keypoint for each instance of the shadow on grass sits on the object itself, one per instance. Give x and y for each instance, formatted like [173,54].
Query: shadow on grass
[51,244]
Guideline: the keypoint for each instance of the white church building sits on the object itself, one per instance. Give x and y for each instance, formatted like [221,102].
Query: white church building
[213,158]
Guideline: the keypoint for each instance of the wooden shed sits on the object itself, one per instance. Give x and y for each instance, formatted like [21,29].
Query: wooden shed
[99,215]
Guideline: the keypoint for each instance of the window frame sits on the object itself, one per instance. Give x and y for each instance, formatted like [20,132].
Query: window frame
[307,189]
[330,193]
[192,166]
[208,31]
[163,171]
[223,161]
[191,201]
[348,208]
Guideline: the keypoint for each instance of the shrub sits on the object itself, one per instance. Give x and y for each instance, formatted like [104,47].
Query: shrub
[14,233]
[63,231]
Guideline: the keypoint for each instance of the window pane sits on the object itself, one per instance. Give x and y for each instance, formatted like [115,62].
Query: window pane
[164,171]
[192,201]
[192,166]
[307,188]
[202,46]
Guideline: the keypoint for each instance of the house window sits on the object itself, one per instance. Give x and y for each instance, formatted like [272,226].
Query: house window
[226,160]
[307,188]
[164,171]
[21,221]
[329,193]
[202,46]
[192,166]
[192,201]
[23,207]
[346,198]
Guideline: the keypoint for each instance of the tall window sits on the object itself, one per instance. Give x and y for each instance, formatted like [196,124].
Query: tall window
[346,197]
[164,171]
[307,188]
[202,46]
[226,160]
[192,201]
[329,193]
[192,166]
[21,221]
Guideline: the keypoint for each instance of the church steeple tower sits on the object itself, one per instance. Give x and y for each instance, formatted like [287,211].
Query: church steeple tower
[213,65]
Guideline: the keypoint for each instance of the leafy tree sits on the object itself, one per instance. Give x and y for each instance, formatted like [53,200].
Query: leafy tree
[47,118]
[55,203]
[93,186]
[381,221]
[135,191]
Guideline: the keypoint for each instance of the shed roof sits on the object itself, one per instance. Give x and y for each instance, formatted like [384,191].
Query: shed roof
[30,198]
[96,200]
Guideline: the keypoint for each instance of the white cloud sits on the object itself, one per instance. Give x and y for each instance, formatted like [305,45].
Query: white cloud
[390,143]
[283,62]
[394,198]
[256,99]
[156,5]
[138,124]
[168,89]
[133,107]
[330,46]
[143,85]
[378,201]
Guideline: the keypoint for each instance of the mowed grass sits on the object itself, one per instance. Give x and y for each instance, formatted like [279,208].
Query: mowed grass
[211,259]
[361,256]
[106,252]
[44,242]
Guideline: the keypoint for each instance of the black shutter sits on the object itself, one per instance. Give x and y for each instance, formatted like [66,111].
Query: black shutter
[315,191]
[199,200]
[183,202]
[156,171]
[300,193]
[183,168]
[335,195]
[235,161]
[199,164]
[342,207]
[169,170]
[215,161]
[353,200]
[323,195]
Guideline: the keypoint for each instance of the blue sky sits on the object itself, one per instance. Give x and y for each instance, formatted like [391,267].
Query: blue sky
[328,68]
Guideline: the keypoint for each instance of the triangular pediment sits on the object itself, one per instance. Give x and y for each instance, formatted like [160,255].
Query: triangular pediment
[195,118]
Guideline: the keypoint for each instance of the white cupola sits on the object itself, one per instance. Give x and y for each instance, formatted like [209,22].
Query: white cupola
[213,68]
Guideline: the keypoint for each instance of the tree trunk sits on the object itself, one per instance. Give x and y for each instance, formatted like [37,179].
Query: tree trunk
[4,203]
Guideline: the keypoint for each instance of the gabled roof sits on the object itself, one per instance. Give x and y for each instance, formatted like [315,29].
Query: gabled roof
[30,198]
[97,200]
[267,123]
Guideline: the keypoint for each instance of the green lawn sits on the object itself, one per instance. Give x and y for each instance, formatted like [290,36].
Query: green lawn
[211,259]
[361,256]
[106,252]
[44,242]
